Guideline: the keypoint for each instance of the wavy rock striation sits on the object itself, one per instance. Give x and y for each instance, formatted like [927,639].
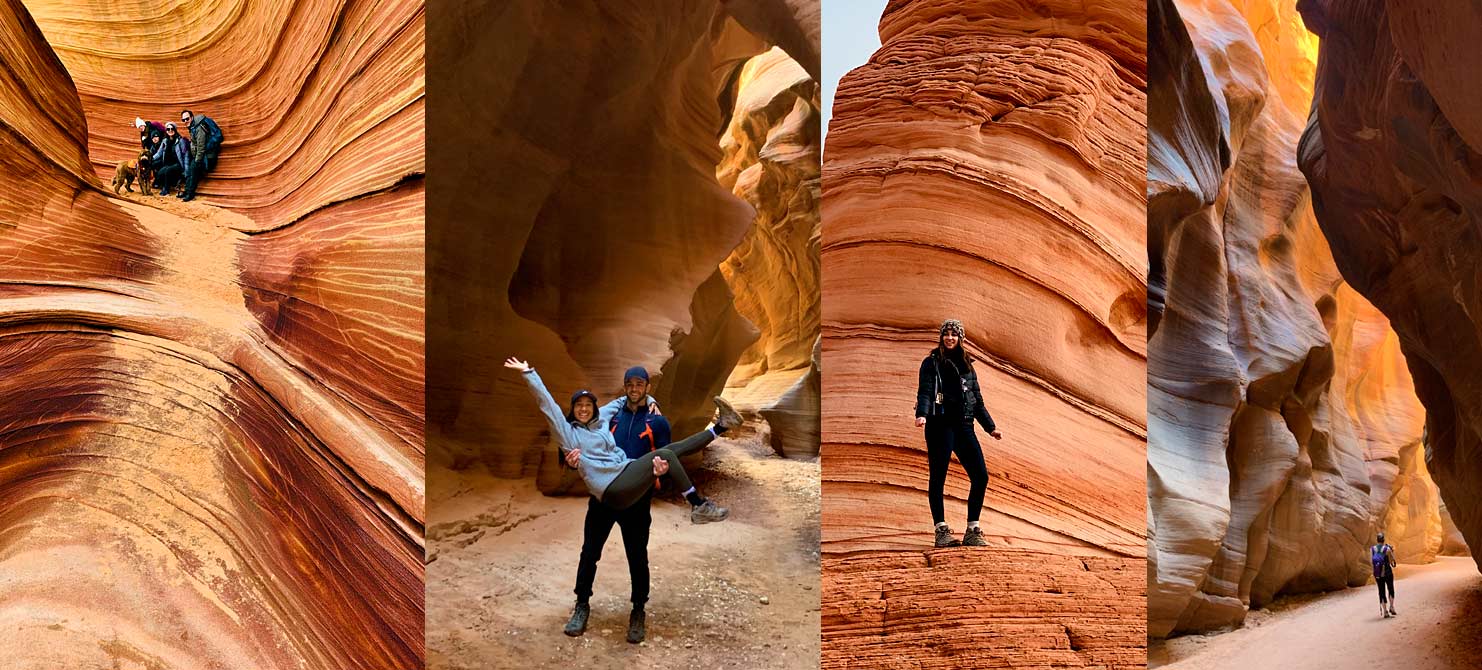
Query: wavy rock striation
[1391,153]
[986,148]
[210,450]
[1283,423]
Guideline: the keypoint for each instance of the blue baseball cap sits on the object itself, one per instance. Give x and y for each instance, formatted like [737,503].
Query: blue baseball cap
[635,371]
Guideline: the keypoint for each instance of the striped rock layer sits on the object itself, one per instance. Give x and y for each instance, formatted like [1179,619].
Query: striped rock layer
[1284,429]
[985,165]
[211,416]
[1391,151]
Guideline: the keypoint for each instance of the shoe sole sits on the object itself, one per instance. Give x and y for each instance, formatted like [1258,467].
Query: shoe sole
[700,520]
[574,633]
[727,409]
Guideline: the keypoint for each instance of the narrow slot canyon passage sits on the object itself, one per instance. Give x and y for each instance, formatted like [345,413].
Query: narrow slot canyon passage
[1312,362]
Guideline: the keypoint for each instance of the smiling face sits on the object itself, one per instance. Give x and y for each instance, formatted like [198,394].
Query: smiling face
[950,341]
[584,410]
[636,389]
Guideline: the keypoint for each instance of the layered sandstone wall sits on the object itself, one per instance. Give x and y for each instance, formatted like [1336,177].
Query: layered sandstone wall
[986,164]
[211,449]
[1284,428]
[1391,154]
[614,166]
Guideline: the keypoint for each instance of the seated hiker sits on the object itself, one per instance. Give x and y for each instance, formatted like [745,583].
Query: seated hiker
[205,143]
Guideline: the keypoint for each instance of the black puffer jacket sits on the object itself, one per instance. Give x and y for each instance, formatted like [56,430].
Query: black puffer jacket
[934,378]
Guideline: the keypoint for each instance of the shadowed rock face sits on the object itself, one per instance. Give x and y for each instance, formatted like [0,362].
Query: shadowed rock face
[210,442]
[1284,428]
[986,165]
[1391,153]
[606,167]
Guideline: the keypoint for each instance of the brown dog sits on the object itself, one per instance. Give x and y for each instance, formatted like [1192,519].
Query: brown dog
[126,172]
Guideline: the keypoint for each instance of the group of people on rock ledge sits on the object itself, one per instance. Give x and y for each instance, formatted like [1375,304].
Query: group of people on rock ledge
[178,159]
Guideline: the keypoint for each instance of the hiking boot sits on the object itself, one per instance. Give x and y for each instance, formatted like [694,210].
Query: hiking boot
[974,538]
[708,512]
[635,627]
[1383,612]
[945,539]
[578,623]
[1392,611]
[726,416]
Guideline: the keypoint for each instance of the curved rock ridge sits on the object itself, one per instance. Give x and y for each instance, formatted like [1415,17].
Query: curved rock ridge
[988,158]
[182,483]
[319,102]
[1391,151]
[1284,428]
[612,233]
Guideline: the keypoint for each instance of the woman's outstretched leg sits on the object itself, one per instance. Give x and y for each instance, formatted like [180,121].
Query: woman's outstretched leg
[638,476]
[726,418]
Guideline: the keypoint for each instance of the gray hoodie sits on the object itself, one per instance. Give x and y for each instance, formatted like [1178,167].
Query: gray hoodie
[601,459]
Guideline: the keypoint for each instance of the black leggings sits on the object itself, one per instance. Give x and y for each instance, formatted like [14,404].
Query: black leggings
[943,438]
[637,476]
[1387,581]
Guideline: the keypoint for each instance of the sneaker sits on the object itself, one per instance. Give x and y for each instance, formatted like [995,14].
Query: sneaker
[708,512]
[635,627]
[945,539]
[726,416]
[974,538]
[1383,612]
[1392,611]
[578,623]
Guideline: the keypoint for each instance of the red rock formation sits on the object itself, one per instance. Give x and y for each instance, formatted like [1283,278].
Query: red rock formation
[1391,153]
[599,260]
[988,158]
[772,161]
[319,102]
[188,479]
[1284,428]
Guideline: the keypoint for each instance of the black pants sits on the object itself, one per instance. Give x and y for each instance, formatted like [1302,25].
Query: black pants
[634,522]
[167,177]
[945,436]
[1387,581]
[199,170]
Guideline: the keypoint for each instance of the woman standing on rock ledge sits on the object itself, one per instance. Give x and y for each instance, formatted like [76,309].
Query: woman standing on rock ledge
[947,401]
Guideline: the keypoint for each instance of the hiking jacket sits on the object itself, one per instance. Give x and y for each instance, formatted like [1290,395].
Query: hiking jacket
[930,383]
[601,459]
[205,136]
[638,433]
[179,148]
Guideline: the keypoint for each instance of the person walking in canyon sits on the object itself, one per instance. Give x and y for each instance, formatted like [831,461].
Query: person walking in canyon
[205,142]
[612,477]
[638,428]
[1382,556]
[948,399]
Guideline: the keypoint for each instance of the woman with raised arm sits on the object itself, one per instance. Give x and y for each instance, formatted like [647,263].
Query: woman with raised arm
[612,477]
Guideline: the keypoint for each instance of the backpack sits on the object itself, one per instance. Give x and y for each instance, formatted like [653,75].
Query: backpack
[1379,556]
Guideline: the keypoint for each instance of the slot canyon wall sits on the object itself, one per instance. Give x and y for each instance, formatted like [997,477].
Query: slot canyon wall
[1391,151]
[211,414]
[635,193]
[1284,427]
[985,149]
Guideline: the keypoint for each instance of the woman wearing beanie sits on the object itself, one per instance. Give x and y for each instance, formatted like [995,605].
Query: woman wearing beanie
[612,477]
[947,401]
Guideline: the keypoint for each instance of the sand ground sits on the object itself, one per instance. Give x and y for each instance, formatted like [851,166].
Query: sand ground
[1439,627]
[742,593]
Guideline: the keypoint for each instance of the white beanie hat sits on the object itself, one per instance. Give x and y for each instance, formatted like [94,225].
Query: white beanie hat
[138,122]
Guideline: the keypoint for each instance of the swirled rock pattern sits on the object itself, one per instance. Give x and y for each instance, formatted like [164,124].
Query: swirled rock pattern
[1391,151]
[210,442]
[1284,428]
[319,102]
[986,164]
